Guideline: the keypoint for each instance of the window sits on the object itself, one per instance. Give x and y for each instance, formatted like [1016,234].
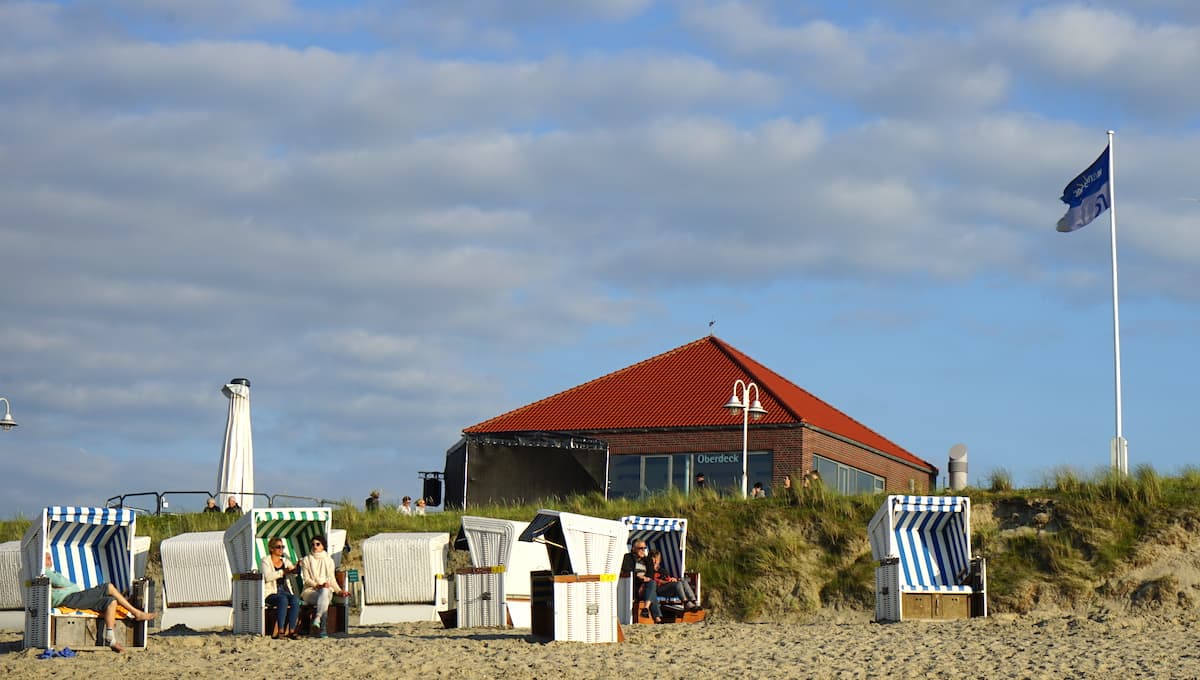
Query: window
[847,480]
[633,476]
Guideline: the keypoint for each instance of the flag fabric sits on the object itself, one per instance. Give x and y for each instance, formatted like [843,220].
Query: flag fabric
[1087,195]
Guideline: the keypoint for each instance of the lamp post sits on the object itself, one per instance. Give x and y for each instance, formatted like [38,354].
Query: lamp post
[7,423]
[748,409]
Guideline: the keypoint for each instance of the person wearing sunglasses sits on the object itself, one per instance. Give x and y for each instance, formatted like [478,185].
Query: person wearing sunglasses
[275,569]
[320,584]
[645,590]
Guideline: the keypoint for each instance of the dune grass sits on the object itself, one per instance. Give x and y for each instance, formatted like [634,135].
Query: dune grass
[785,558]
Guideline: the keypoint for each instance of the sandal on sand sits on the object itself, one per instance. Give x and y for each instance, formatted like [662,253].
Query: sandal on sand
[67,653]
[48,654]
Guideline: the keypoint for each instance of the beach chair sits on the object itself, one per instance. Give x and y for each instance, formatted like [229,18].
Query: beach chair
[246,544]
[90,546]
[12,607]
[668,535]
[495,591]
[197,583]
[404,577]
[925,567]
[576,599]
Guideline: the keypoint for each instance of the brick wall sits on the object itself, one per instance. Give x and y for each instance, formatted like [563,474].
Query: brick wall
[793,448]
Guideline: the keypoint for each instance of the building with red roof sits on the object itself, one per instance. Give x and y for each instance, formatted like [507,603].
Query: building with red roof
[663,422]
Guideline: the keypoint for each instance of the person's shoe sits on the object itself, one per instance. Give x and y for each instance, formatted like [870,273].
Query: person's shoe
[324,634]
[66,652]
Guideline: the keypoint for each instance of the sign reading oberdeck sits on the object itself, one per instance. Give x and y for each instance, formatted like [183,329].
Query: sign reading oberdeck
[712,458]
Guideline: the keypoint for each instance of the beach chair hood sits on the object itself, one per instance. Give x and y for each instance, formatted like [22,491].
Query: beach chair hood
[668,535]
[578,544]
[88,545]
[246,540]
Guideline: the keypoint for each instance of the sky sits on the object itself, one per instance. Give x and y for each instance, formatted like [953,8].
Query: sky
[401,219]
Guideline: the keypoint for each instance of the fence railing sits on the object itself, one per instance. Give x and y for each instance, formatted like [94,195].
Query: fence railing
[169,502]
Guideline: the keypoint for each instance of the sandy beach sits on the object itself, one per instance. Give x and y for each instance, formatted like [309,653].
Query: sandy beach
[848,646]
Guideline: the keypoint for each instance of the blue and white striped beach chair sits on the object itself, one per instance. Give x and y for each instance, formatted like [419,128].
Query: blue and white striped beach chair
[926,570]
[90,546]
[668,535]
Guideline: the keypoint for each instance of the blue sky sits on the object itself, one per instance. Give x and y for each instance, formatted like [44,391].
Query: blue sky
[401,219]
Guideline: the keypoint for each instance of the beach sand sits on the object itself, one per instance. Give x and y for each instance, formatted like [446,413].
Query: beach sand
[839,645]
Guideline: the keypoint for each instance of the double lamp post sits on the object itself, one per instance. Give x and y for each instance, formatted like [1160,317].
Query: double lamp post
[750,409]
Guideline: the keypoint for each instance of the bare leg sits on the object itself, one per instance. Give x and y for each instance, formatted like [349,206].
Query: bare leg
[138,614]
[110,619]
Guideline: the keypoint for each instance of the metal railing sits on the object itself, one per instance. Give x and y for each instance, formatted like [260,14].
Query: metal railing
[160,502]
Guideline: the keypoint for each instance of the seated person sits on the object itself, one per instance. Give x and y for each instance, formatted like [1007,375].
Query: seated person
[669,586]
[320,585]
[275,569]
[645,589]
[103,598]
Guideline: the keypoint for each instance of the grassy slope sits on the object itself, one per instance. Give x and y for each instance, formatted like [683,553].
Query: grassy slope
[777,560]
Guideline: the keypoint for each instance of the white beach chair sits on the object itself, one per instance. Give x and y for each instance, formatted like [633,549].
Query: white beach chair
[12,608]
[926,570]
[245,546]
[495,591]
[90,546]
[576,600]
[668,535]
[197,581]
[404,577]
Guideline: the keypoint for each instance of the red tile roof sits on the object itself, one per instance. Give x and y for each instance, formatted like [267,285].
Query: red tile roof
[684,387]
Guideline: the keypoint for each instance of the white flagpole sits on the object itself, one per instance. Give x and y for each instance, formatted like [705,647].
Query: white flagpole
[1120,450]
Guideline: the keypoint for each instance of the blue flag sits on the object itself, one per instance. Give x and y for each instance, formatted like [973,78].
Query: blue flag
[1087,195]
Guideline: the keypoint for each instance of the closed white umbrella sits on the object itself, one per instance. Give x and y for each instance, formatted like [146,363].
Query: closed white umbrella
[235,478]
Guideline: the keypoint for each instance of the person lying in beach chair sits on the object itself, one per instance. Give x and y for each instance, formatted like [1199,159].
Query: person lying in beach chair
[645,589]
[103,599]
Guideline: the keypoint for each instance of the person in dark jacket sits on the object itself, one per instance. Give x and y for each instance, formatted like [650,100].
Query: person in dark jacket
[638,563]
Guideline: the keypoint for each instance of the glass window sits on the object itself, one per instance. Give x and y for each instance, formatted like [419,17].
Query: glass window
[760,469]
[624,476]
[681,471]
[847,480]
[656,475]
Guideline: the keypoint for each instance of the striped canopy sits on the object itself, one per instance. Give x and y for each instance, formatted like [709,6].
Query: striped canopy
[88,545]
[931,536]
[246,540]
[667,535]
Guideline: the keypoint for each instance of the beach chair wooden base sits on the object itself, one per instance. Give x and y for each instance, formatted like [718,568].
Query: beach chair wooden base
[336,620]
[82,633]
[936,606]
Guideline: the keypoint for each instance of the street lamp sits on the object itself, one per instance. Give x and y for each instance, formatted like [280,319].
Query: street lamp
[749,409]
[7,423]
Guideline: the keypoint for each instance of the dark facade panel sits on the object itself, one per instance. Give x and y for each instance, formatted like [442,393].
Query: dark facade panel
[523,468]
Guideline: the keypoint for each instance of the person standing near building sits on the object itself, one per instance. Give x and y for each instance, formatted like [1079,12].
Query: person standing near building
[372,502]
[405,505]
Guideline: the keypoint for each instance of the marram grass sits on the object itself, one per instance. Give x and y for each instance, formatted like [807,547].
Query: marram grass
[785,558]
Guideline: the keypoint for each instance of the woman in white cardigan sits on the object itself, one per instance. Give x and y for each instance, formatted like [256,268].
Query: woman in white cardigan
[320,584]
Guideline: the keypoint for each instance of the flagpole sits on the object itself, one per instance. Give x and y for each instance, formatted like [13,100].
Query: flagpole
[1120,450]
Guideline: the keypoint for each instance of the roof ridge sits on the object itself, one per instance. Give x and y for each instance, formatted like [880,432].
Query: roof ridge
[810,394]
[583,385]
